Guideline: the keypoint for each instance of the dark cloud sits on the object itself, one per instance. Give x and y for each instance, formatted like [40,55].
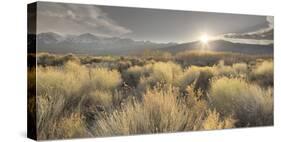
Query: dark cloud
[260,34]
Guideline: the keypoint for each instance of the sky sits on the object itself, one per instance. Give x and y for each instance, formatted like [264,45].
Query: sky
[144,24]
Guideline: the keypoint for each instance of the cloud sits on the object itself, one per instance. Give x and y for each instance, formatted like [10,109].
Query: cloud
[270,20]
[261,34]
[76,19]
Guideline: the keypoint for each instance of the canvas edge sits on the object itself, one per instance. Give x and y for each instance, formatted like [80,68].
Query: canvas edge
[31,65]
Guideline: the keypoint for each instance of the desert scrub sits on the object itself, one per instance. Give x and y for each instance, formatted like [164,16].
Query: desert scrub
[223,70]
[214,121]
[165,72]
[250,104]
[70,58]
[133,74]
[200,58]
[194,74]
[47,59]
[61,91]
[263,73]
[71,126]
[55,88]
[210,58]
[102,98]
[104,79]
[201,76]
[161,73]
[241,68]
[160,111]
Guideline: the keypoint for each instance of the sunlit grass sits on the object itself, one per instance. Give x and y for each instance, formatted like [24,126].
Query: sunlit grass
[80,96]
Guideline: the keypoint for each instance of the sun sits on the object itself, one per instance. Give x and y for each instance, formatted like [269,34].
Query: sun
[204,39]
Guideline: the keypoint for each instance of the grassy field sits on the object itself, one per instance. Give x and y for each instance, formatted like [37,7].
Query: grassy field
[155,92]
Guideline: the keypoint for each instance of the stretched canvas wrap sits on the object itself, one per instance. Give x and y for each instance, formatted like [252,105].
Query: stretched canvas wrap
[100,71]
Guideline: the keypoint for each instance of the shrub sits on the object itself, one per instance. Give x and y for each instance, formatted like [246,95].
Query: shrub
[104,79]
[47,59]
[210,58]
[250,104]
[195,74]
[54,88]
[165,72]
[61,90]
[201,76]
[133,74]
[160,111]
[263,73]
[122,65]
[161,73]
[188,76]
[71,126]
[92,100]
[199,58]
[157,55]
[70,58]
[103,98]
[222,70]
[203,80]
[214,121]
[240,68]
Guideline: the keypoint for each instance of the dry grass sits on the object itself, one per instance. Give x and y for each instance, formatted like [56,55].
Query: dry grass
[71,126]
[150,75]
[160,111]
[104,79]
[214,121]
[103,98]
[192,74]
[240,68]
[263,73]
[249,103]
[210,58]
[60,92]
[107,96]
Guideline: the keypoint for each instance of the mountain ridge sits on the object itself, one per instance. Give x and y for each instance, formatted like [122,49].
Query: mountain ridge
[92,44]
[222,46]
[88,43]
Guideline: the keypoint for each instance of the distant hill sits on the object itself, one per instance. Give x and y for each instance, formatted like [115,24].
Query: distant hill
[95,45]
[91,44]
[222,45]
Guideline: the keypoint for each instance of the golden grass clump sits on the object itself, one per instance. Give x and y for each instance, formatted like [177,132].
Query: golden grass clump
[192,74]
[160,111]
[241,68]
[249,103]
[112,95]
[161,73]
[165,72]
[54,88]
[60,91]
[103,98]
[214,121]
[263,73]
[104,79]
[133,74]
[71,126]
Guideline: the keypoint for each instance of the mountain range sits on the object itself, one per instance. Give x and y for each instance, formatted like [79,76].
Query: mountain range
[91,44]
[96,45]
[222,46]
